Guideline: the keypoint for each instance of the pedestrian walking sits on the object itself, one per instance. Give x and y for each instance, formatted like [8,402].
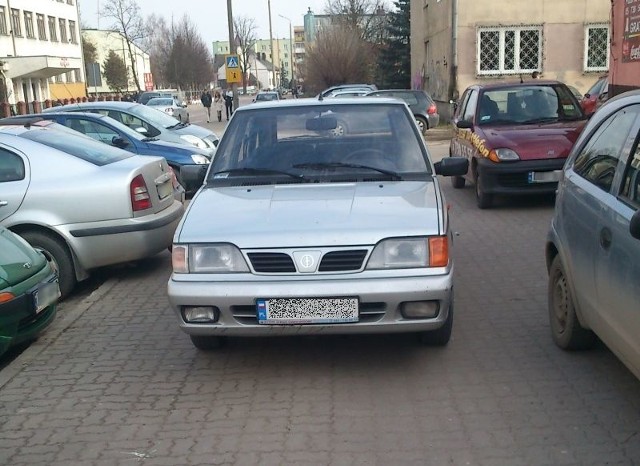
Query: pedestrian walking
[206,100]
[228,102]
[218,104]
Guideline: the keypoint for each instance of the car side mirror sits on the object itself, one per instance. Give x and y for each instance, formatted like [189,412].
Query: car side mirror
[119,142]
[141,130]
[464,124]
[634,225]
[587,95]
[452,166]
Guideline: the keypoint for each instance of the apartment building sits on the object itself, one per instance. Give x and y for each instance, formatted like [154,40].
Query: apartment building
[455,43]
[40,51]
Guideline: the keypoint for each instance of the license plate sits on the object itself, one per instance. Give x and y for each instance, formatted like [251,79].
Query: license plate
[545,177]
[46,295]
[307,311]
[165,189]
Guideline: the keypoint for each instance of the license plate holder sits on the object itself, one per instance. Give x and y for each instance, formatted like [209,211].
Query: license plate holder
[46,295]
[299,311]
[165,189]
[544,177]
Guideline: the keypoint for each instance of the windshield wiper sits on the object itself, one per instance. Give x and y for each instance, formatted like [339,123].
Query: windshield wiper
[150,139]
[177,125]
[533,121]
[321,166]
[256,171]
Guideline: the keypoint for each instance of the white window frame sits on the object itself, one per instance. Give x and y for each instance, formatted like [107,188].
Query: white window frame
[41,21]
[4,30]
[28,25]
[585,64]
[516,59]
[73,38]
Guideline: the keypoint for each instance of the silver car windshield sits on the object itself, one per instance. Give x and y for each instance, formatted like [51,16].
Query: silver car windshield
[82,147]
[153,116]
[159,101]
[320,143]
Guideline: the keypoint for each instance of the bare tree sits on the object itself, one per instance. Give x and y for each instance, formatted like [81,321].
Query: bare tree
[126,20]
[338,55]
[245,29]
[368,17]
[158,44]
[189,64]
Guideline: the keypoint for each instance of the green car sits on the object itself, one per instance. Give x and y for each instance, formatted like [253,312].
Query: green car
[29,291]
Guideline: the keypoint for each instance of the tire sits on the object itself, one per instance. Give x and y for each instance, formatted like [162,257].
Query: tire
[483,199]
[422,124]
[208,342]
[61,256]
[566,330]
[442,335]
[458,182]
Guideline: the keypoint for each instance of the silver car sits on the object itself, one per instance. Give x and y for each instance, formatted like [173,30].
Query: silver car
[299,231]
[85,203]
[593,248]
[171,106]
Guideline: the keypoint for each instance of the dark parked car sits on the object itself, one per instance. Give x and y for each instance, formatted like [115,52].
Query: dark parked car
[29,290]
[189,163]
[148,95]
[422,106]
[595,96]
[593,247]
[329,90]
[516,137]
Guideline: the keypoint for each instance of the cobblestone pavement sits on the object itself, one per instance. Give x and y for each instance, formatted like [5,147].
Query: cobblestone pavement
[115,382]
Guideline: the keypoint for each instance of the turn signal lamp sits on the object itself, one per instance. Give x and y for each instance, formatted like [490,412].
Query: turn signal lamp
[438,251]
[6,296]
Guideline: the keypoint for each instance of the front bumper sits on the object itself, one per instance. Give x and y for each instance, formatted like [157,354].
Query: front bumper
[379,298]
[513,177]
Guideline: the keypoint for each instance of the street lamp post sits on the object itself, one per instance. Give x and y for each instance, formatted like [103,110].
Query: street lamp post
[291,54]
[273,52]
[234,86]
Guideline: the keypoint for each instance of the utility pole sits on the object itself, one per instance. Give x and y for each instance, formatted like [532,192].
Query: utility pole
[291,54]
[273,52]
[232,43]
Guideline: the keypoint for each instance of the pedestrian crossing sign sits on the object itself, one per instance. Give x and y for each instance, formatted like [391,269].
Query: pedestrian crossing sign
[233,69]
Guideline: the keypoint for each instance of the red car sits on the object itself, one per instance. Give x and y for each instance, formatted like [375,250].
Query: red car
[516,137]
[595,96]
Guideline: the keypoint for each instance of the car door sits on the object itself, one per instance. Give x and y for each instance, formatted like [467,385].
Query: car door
[14,180]
[586,195]
[618,258]
[462,141]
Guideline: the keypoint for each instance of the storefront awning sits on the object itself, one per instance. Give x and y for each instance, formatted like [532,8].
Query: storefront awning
[40,66]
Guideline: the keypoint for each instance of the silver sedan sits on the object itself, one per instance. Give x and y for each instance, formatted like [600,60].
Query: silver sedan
[299,230]
[171,107]
[86,204]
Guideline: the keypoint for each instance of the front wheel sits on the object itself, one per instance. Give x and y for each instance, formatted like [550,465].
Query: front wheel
[483,199]
[566,330]
[59,252]
[423,124]
[442,335]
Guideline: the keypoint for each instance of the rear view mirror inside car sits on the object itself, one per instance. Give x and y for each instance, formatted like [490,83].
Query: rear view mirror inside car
[324,123]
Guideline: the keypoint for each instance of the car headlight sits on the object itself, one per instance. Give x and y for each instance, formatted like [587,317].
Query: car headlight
[503,155]
[195,140]
[199,159]
[406,253]
[207,258]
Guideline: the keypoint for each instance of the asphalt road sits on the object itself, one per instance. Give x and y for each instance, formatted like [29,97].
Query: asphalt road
[115,382]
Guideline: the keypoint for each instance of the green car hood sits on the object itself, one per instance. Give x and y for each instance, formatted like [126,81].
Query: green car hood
[18,260]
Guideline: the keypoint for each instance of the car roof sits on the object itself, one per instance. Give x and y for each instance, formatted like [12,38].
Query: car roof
[101,104]
[313,101]
[516,84]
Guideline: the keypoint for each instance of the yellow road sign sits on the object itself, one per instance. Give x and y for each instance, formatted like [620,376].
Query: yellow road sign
[232,65]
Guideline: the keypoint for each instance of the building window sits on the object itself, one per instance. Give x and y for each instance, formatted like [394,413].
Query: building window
[68,76]
[510,50]
[3,21]
[63,30]
[59,78]
[596,45]
[72,32]
[53,30]
[15,22]
[70,2]
[76,75]
[42,29]
[28,25]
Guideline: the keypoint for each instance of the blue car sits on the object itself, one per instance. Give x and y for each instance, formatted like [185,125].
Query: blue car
[189,163]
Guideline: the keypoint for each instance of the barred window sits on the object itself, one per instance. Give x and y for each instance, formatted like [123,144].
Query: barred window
[509,50]
[596,47]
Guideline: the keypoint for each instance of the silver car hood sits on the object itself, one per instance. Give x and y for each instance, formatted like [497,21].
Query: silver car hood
[305,215]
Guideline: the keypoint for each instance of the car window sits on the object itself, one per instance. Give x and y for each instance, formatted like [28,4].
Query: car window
[596,89]
[409,97]
[599,158]
[470,108]
[84,148]
[151,116]
[160,101]
[459,111]
[631,182]
[11,166]
[313,141]
[94,130]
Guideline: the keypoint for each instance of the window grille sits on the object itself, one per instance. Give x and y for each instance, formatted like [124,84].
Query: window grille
[596,54]
[509,50]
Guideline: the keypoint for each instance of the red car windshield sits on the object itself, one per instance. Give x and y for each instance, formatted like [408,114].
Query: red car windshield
[527,105]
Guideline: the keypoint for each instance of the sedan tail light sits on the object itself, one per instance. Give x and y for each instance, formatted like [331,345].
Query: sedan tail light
[432,109]
[140,199]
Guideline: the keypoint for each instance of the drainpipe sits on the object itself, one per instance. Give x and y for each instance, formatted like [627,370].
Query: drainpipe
[453,80]
[13,35]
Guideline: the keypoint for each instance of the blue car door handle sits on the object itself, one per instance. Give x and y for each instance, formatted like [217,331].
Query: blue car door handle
[605,238]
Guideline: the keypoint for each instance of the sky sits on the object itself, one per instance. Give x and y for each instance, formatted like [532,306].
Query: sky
[210,16]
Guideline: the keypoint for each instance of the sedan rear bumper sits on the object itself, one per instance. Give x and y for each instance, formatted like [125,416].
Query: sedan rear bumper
[379,304]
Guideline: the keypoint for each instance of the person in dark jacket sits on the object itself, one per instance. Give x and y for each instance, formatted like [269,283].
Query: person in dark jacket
[228,102]
[206,100]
